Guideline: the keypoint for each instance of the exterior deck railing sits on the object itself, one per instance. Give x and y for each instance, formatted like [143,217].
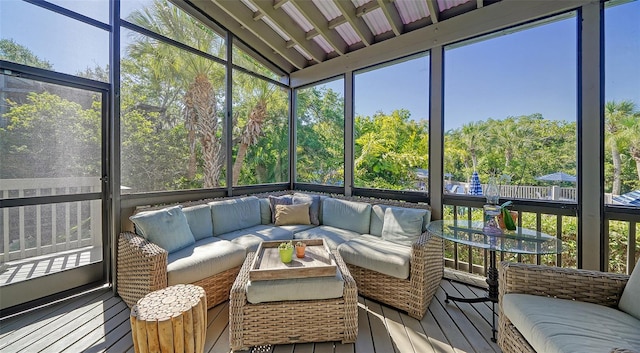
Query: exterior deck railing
[42,229]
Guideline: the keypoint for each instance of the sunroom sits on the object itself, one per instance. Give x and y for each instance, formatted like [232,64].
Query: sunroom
[109,107]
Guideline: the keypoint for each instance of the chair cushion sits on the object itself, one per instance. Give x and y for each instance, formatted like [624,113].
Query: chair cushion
[265,211]
[167,228]
[332,236]
[349,215]
[553,325]
[314,206]
[278,200]
[234,214]
[199,220]
[315,288]
[371,252]
[377,219]
[630,299]
[292,214]
[250,238]
[402,225]
[295,228]
[207,257]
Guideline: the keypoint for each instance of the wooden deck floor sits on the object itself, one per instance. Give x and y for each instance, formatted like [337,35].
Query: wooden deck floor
[99,322]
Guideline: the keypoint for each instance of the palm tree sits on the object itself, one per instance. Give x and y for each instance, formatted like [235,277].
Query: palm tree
[631,134]
[615,114]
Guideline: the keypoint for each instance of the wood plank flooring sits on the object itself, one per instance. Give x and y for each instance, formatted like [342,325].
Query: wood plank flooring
[99,322]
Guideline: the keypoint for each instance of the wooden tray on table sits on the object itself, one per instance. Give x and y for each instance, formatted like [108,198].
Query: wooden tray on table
[317,262]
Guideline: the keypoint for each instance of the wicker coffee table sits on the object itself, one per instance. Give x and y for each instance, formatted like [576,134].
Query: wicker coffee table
[292,321]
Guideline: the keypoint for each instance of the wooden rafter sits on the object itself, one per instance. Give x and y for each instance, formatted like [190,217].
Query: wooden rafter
[349,12]
[259,29]
[434,10]
[317,20]
[391,13]
[293,30]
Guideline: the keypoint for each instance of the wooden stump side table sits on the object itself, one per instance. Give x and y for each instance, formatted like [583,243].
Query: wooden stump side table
[172,319]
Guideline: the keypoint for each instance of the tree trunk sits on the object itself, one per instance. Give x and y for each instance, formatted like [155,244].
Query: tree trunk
[635,154]
[617,167]
[237,164]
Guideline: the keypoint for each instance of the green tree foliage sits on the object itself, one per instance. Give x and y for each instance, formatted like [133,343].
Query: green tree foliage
[12,51]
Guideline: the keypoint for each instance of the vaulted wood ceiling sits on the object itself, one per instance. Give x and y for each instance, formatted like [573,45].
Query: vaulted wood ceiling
[296,34]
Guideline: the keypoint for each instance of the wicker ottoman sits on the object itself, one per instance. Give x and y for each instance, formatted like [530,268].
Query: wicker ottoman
[172,319]
[293,321]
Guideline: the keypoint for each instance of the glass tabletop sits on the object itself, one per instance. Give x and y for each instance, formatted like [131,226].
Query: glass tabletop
[520,241]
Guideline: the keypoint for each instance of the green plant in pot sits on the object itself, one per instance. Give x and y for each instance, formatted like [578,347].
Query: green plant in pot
[507,219]
[286,251]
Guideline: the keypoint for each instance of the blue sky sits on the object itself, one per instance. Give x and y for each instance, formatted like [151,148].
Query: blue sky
[526,72]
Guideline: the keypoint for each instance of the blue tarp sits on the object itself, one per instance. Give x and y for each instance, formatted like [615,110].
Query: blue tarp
[629,199]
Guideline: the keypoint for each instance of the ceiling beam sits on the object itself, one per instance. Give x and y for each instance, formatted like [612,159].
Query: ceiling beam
[317,20]
[434,10]
[231,24]
[391,13]
[488,19]
[340,20]
[259,30]
[366,8]
[480,3]
[349,12]
[289,26]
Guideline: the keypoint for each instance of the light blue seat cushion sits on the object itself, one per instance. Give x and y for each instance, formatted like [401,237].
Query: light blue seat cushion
[265,211]
[314,206]
[250,238]
[207,257]
[562,326]
[377,219]
[371,252]
[630,300]
[235,214]
[332,236]
[297,227]
[199,220]
[167,228]
[402,225]
[315,288]
[349,215]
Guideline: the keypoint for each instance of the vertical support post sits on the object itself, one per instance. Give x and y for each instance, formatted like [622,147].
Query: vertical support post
[436,131]
[293,137]
[228,121]
[112,155]
[348,133]
[591,138]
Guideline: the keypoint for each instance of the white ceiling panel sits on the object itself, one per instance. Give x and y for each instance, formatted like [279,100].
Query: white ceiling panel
[377,22]
[447,4]
[297,16]
[411,10]
[350,36]
[328,9]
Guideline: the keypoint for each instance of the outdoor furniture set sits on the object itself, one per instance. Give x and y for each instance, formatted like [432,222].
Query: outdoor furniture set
[380,248]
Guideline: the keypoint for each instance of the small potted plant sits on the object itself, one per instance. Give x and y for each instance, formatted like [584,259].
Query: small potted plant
[507,218]
[300,248]
[286,251]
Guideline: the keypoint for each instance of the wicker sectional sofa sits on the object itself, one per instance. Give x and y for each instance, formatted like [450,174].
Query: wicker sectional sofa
[388,265]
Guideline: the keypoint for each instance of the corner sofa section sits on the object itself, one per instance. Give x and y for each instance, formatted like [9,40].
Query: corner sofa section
[384,243]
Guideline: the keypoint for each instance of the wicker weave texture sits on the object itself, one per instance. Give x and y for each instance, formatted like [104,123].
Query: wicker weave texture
[141,268]
[292,321]
[218,286]
[588,286]
[414,294]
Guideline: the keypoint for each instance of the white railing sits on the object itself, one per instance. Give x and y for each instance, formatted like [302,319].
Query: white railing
[29,231]
[530,192]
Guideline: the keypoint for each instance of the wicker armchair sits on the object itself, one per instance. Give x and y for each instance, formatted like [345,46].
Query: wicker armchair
[142,269]
[588,286]
[414,294]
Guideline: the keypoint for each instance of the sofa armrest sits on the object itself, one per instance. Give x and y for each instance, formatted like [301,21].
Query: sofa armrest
[426,271]
[141,267]
[583,285]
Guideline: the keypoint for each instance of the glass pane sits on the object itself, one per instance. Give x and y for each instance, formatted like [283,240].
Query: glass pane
[261,131]
[37,37]
[162,17]
[392,126]
[249,62]
[50,139]
[622,107]
[171,118]
[96,9]
[510,111]
[320,134]
[43,239]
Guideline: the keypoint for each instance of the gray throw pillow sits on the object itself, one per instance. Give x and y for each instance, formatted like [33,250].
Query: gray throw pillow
[314,206]
[278,200]
[167,228]
[402,225]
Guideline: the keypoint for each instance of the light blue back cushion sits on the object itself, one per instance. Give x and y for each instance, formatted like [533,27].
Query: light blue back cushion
[265,211]
[314,206]
[630,300]
[235,214]
[349,215]
[377,219]
[402,225]
[199,219]
[167,228]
